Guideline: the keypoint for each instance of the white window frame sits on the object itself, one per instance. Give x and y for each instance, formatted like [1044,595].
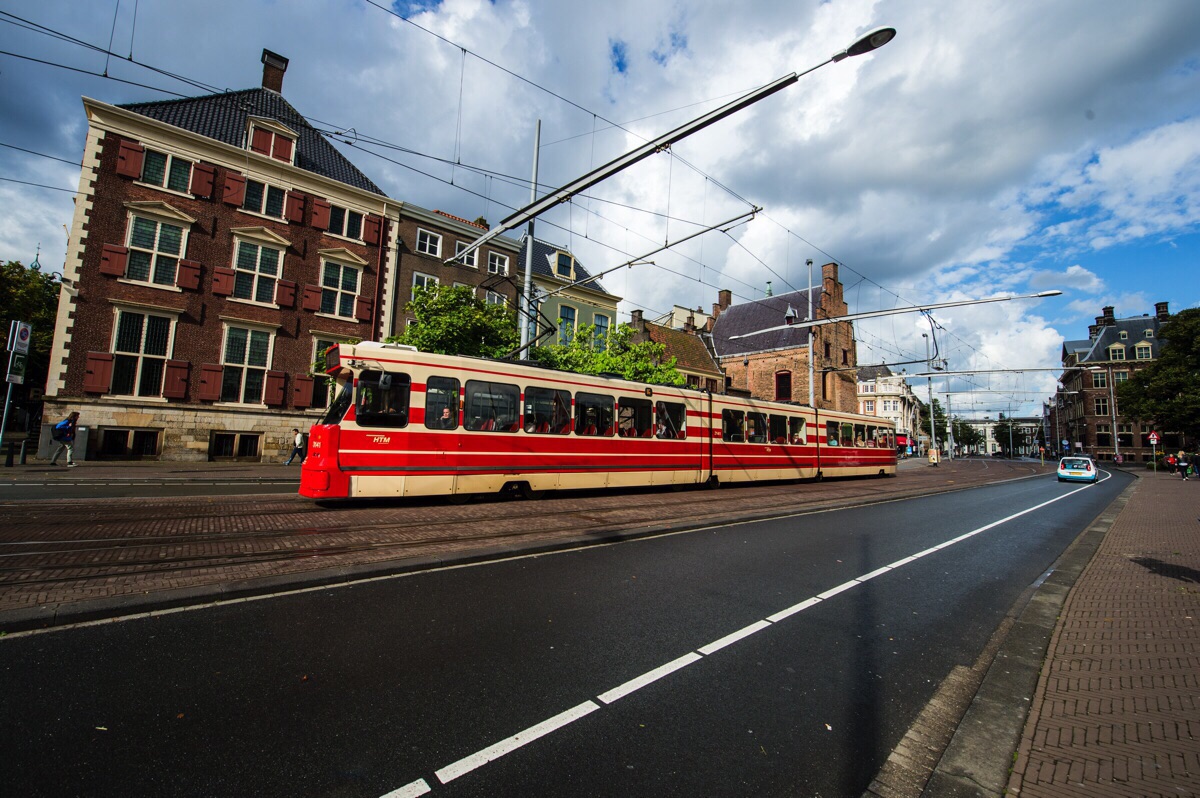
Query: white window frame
[497,263]
[429,243]
[1143,352]
[469,261]
[554,265]
[172,317]
[260,238]
[340,293]
[277,131]
[180,221]
[344,231]
[1116,352]
[562,339]
[420,279]
[261,210]
[171,160]
[245,366]
[492,298]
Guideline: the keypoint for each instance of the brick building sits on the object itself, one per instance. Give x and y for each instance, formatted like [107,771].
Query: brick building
[219,243]
[1089,418]
[693,359]
[774,365]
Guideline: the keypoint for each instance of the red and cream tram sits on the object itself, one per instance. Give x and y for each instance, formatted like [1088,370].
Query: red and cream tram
[409,423]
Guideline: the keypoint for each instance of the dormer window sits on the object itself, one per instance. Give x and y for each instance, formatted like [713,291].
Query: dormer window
[1149,333]
[564,265]
[1116,353]
[268,137]
[1124,335]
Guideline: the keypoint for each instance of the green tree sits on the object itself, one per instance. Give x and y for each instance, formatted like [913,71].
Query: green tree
[966,436]
[31,296]
[939,421]
[644,361]
[1167,391]
[1008,435]
[452,320]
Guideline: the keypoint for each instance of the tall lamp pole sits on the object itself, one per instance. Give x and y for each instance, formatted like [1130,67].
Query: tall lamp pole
[929,367]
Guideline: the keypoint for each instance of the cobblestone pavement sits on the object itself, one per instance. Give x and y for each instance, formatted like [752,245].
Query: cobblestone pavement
[1117,707]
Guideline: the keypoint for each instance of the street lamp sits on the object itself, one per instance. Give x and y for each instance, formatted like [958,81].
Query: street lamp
[929,365]
[871,40]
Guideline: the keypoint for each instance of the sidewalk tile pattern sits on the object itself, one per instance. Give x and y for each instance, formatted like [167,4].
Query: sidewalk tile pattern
[1117,707]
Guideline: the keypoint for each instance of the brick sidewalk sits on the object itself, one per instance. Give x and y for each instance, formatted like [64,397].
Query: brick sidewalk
[1117,707]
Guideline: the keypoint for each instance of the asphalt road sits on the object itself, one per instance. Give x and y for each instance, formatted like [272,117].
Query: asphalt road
[535,676]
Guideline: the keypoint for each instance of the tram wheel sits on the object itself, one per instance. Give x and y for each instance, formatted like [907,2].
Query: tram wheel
[528,493]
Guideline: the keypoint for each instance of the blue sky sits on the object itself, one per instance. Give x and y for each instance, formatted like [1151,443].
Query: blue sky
[992,147]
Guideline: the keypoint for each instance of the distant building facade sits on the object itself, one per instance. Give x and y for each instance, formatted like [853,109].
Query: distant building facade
[1088,416]
[693,359]
[567,297]
[886,395]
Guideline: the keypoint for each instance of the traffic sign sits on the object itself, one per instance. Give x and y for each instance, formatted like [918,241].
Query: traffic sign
[18,337]
[16,367]
[1153,438]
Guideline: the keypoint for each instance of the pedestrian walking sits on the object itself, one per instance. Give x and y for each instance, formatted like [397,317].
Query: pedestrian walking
[297,447]
[63,434]
[1181,465]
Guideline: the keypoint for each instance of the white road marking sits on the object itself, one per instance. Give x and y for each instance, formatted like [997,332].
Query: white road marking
[418,787]
[467,764]
[648,677]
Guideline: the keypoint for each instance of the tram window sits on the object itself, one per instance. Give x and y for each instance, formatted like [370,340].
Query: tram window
[383,399]
[441,403]
[847,435]
[756,427]
[831,433]
[634,419]
[340,404]
[670,421]
[492,407]
[779,429]
[733,424]
[860,435]
[872,438]
[594,415]
[547,411]
[797,434]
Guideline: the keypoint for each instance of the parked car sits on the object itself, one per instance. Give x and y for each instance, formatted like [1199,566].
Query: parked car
[1077,469]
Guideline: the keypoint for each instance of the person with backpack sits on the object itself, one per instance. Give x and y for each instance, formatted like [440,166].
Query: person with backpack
[63,433]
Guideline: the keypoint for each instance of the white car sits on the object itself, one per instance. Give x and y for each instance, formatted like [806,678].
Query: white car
[1077,469]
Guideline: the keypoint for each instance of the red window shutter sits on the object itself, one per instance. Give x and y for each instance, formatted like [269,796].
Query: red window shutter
[222,281]
[260,140]
[285,293]
[320,213]
[273,390]
[204,177]
[294,207]
[372,225]
[175,380]
[113,260]
[210,382]
[129,159]
[235,189]
[362,308]
[188,275]
[311,299]
[302,389]
[98,376]
[282,149]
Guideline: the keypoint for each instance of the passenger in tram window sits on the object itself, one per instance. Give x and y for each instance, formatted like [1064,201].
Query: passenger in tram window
[447,419]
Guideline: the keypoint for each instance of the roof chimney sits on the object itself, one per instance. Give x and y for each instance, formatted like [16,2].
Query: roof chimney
[1093,331]
[1160,311]
[724,298]
[274,65]
[636,321]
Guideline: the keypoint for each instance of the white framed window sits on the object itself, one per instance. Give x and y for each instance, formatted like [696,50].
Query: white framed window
[264,199]
[1116,352]
[1102,405]
[1099,379]
[320,394]
[166,171]
[1142,352]
[245,355]
[497,263]
[256,268]
[1120,377]
[469,260]
[602,324]
[492,298]
[1124,335]
[272,139]
[1149,333]
[868,387]
[140,346]
[429,243]
[564,265]
[155,247]
[345,222]
[427,281]
[339,289]
[869,406]
[566,324]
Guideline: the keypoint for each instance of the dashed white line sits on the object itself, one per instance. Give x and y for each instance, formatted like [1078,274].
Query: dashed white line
[417,788]
[648,677]
[730,639]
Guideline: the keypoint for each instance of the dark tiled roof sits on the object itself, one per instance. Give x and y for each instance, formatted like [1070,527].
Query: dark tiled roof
[543,255]
[1096,351]
[871,373]
[689,350]
[760,315]
[223,117]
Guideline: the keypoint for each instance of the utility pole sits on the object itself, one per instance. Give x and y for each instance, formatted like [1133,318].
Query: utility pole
[526,316]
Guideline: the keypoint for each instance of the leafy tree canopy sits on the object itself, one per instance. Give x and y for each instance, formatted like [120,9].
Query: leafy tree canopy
[617,354]
[1167,391]
[452,320]
[31,296]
